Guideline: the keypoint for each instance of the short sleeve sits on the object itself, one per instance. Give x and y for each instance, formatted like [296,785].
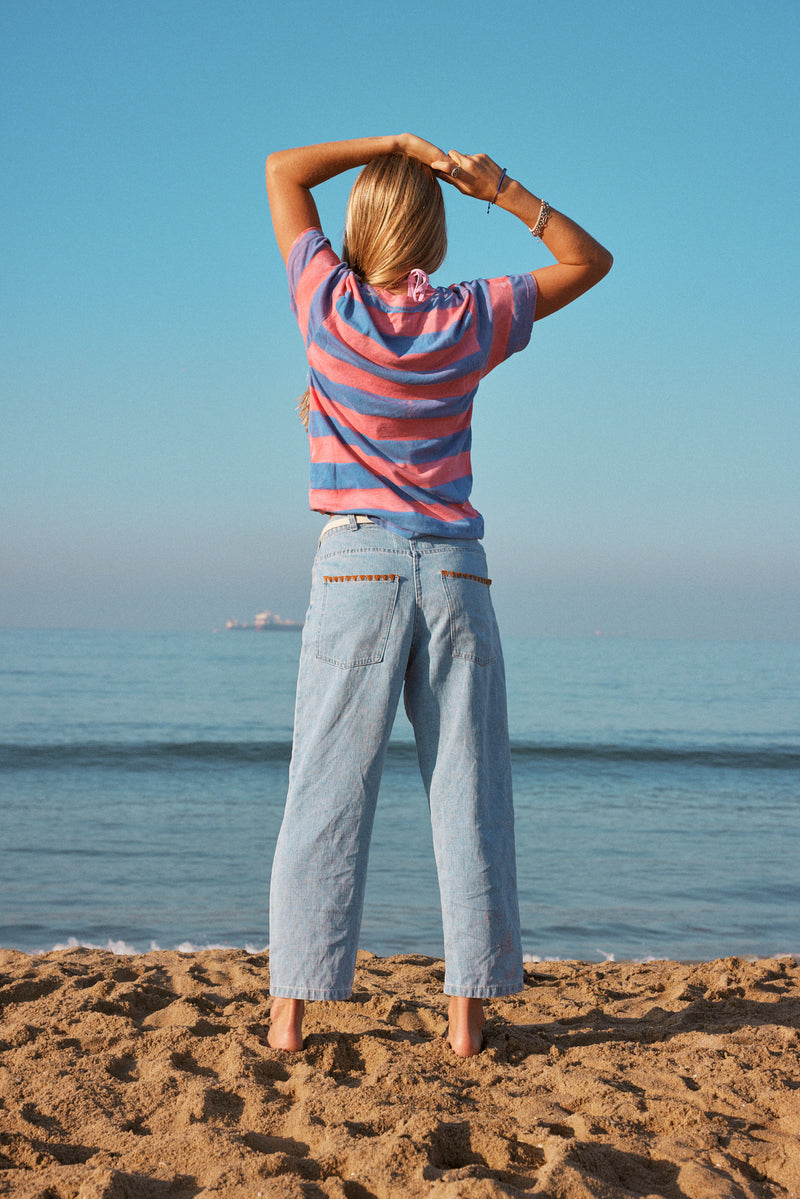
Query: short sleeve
[512,302]
[310,266]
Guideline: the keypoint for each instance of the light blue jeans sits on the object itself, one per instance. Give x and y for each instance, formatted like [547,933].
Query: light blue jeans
[389,614]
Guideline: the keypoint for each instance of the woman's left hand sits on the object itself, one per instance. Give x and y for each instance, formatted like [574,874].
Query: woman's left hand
[291,174]
[427,152]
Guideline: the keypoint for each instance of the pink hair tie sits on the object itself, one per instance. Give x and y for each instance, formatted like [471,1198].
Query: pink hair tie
[418,284]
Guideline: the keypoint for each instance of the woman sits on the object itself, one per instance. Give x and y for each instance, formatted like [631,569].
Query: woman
[400,596]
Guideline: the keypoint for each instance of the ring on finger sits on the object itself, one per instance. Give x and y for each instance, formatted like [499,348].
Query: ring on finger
[454,172]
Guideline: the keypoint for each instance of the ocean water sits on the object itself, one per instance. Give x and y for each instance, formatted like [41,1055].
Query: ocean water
[657,791]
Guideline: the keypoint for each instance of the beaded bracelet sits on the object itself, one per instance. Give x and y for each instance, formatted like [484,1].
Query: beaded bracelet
[544,215]
[497,193]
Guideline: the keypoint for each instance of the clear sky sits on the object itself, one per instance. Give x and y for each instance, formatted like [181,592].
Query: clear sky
[637,466]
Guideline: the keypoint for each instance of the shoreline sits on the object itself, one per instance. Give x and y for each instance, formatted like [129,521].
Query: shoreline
[121,948]
[149,1074]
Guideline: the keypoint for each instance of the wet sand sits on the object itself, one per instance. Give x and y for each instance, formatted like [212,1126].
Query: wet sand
[150,1076]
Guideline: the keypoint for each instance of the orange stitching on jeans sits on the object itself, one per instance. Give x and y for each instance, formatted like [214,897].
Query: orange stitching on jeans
[459,574]
[358,578]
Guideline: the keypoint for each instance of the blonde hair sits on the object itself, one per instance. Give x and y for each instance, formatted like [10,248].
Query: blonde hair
[395,222]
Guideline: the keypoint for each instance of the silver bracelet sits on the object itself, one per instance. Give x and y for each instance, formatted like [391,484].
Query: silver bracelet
[544,216]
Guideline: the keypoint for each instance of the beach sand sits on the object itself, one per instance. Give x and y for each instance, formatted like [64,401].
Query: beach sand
[150,1075]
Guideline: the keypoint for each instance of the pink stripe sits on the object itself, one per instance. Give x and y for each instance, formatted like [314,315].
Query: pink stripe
[393,428]
[315,273]
[349,375]
[502,308]
[402,474]
[376,500]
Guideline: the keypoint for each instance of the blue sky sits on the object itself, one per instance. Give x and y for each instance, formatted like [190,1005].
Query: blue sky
[637,465]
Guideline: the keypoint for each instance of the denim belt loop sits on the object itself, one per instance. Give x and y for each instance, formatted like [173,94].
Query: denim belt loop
[350,521]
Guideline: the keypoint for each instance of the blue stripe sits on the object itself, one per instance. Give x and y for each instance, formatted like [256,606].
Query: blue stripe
[479,294]
[523,288]
[358,316]
[321,303]
[410,523]
[416,524]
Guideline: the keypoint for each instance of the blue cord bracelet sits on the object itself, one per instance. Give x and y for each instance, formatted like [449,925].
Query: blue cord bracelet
[497,193]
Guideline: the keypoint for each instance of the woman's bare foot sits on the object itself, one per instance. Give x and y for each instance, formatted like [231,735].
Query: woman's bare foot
[286,1024]
[465,1033]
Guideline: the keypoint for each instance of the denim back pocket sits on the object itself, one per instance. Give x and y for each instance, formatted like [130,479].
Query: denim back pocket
[473,628]
[355,618]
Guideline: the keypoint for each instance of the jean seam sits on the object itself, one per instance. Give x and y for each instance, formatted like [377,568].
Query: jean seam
[360,550]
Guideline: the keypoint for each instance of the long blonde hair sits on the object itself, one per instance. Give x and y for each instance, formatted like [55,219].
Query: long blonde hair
[395,222]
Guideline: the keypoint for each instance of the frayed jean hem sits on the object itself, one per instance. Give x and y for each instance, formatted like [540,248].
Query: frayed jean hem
[497,992]
[309,993]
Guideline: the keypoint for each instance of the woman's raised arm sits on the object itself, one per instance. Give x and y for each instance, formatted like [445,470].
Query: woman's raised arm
[581,261]
[291,174]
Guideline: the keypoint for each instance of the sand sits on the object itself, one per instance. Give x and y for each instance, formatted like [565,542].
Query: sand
[150,1076]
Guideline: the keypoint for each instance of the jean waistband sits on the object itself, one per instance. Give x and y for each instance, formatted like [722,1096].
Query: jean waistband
[339,522]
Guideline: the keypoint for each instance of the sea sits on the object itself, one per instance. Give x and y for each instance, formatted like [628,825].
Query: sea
[657,792]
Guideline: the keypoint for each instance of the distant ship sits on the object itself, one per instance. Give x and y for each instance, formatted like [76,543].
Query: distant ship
[267,622]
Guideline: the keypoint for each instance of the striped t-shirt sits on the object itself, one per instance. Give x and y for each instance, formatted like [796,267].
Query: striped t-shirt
[392,380]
